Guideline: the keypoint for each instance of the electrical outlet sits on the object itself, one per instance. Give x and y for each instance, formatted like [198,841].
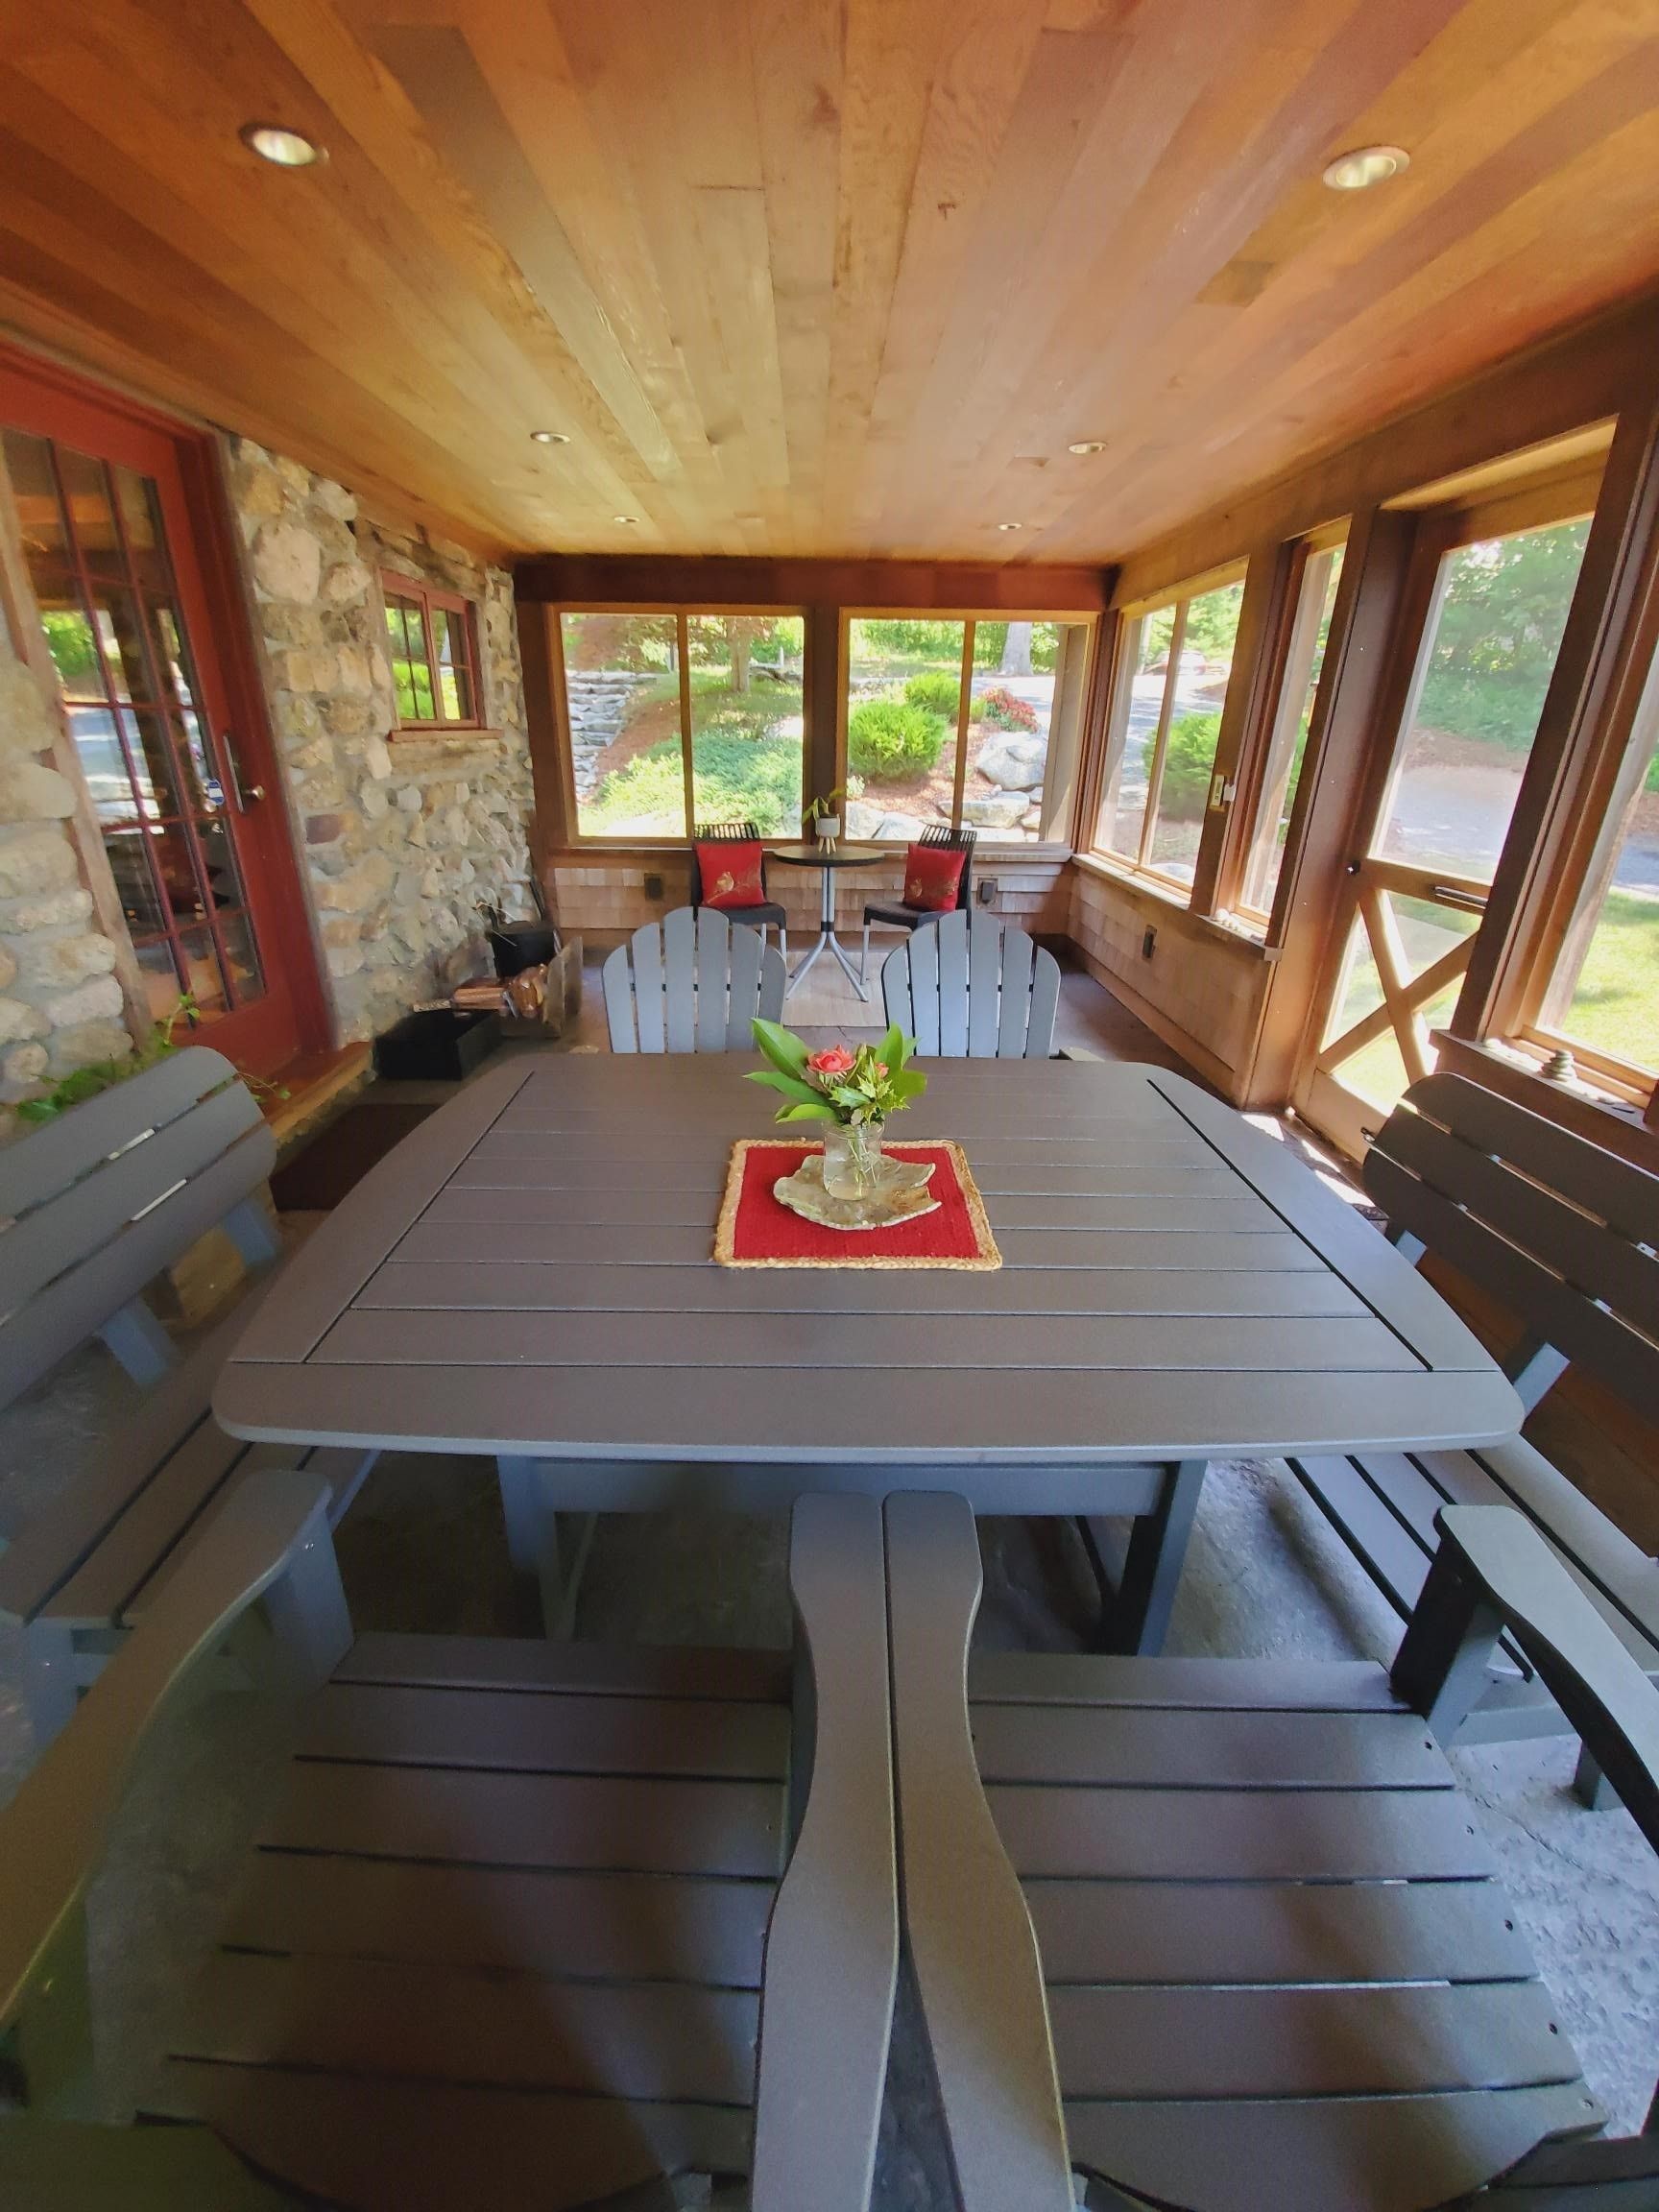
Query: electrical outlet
[1148,944]
[653,886]
[986,890]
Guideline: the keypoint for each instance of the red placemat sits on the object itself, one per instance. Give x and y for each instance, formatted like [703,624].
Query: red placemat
[755,1231]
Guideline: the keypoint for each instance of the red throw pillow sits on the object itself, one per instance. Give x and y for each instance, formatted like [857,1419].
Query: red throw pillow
[933,877]
[731,874]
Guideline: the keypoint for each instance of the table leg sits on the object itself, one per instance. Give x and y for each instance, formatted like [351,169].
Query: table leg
[1138,1602]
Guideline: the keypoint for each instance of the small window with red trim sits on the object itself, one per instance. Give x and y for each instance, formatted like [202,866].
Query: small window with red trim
[433,641]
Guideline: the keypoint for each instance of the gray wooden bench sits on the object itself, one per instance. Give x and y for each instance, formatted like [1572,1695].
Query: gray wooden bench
[1218,1934]
[1562,1234]
[93,1206]
[532,1924]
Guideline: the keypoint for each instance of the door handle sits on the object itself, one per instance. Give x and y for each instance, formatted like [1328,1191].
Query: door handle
[245,794]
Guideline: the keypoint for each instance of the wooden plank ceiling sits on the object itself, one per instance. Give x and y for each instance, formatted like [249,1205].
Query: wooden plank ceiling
[817,276]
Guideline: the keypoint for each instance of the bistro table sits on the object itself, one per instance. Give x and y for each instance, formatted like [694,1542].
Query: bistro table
[829,858]
[530,1275]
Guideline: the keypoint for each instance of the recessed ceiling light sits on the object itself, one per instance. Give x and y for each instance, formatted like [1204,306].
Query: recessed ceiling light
[550,437]
[626,518]
[1010,525]
[274,142]
[1367,165]
[1087,445]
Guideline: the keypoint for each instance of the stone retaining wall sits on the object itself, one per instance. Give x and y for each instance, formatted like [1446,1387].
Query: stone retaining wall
[599,700]
[401,836]
[60,1004]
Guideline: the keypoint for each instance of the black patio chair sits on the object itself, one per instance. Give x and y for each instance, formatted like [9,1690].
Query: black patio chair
[896,915]
[769,914]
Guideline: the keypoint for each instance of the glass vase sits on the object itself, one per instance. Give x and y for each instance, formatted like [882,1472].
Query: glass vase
[851,1160]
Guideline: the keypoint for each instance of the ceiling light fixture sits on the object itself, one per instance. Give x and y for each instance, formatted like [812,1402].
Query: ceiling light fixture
[625,518]
[550,437]
[1010,525]
[275,143]
[1366,165]
[1087,445]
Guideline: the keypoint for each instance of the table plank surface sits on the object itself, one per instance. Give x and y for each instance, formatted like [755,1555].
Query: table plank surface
[531,1273]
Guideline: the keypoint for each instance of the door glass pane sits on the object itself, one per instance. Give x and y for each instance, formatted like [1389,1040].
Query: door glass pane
[1024,717]
[1606,989]
[1202,675]
[1304,665]
[1123,804]
[1485,664]
[105,587]
[622,689]
[748,736]
[904,703]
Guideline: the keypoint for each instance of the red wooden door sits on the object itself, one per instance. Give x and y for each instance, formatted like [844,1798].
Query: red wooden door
[119,547]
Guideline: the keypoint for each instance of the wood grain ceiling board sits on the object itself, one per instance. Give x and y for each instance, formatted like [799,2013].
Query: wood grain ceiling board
[818,278]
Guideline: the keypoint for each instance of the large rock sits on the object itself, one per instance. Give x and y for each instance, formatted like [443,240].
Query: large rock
[287,562]
[42,860]
[898,828]
[998,810]
[27,722]
[1014,760]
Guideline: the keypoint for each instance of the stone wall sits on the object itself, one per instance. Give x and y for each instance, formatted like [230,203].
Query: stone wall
[400,837]
[60,1004]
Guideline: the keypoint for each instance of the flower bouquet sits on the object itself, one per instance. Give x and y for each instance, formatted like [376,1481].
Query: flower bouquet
[853,1089]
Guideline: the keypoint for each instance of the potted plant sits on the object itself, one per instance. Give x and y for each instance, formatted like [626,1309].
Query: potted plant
[852,1089]
[821,820]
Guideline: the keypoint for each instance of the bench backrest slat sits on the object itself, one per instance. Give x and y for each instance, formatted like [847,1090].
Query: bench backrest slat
[103,1199]
[1557,1230]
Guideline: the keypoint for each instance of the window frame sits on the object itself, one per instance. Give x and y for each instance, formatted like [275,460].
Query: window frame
[1064,838]
[427,596]
[683,613]
[1192,896]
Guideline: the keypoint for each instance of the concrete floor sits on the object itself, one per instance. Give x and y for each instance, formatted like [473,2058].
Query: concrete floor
[422,1549]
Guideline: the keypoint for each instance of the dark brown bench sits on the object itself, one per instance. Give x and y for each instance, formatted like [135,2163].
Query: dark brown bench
[93,1206]
[534,1924]
[1561,1234]
[1220,1934]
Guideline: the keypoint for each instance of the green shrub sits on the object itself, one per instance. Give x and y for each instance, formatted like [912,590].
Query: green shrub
[976,709]
[1189,763]
[892,740]
[935,693]
[733,779]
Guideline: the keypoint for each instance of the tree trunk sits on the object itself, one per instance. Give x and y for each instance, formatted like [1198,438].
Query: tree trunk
[1017,650]
[739,641]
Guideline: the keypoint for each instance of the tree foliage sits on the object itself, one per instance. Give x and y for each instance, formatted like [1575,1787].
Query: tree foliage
[1501,616]
[1189,763]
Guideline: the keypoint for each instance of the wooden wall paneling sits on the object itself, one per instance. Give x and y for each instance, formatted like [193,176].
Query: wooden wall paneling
[825,695]
[541,659]
[917,586]
[1593,693]
[1313,899]
[1246,716]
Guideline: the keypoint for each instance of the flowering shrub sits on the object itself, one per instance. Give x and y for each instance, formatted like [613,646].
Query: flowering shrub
[850,1086]
[888,740]
[1007,712]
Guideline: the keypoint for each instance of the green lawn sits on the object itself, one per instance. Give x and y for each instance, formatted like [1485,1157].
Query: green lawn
[1616,1005]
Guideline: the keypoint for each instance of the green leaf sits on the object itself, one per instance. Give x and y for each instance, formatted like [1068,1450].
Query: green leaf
[38,1110]
[780,1046]
[895,1049]
[776,1080]
[908,1084]
[822,1111]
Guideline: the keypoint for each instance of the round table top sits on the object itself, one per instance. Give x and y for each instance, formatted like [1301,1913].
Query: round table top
[840,855]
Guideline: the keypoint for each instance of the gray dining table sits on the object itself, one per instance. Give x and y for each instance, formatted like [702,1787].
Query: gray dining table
[530,1275]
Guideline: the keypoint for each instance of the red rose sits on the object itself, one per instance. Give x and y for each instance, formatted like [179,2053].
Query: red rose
[836,1060]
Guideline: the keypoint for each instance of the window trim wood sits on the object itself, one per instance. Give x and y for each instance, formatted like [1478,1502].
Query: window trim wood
[393,585]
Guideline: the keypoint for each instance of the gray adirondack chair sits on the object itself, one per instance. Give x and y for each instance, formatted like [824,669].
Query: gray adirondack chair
[1562,1234]
[967,986]
[95,1204]
[532,1925]
[692,982]
[1217,1935]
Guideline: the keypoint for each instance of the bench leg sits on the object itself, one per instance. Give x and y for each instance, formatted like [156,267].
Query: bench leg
[50,1687]
[140,1344]
[307,1611]
[1138,1615]
[1591,1787]
[248,1228]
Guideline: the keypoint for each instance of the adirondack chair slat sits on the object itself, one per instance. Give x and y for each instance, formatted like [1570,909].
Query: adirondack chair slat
[667,2043]
[692,982]
[689,1827]
[598,1669]
[1211,1934]
[515,1732]
[974,988]
[598,1926]
[1204,1750]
